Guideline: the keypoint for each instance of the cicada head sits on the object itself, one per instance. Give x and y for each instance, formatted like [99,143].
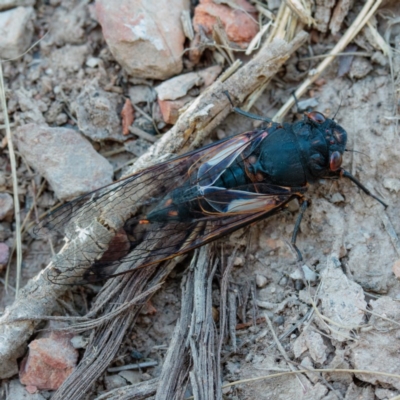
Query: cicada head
[327,144]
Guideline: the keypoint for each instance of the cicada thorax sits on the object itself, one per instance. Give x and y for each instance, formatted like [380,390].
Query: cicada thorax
[277,160]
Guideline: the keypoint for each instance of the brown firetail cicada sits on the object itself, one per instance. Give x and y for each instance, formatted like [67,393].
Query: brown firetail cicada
[205,194]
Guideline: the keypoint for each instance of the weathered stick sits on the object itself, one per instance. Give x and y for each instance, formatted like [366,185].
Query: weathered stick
[207,111]
[193,352]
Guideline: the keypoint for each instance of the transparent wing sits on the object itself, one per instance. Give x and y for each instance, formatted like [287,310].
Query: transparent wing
[125,206]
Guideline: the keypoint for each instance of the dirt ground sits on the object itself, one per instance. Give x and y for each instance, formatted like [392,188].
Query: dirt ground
[347,318]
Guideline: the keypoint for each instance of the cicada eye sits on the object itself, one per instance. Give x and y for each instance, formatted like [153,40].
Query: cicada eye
[335,161]
[316,117]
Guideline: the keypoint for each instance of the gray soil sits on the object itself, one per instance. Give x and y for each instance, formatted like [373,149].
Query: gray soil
[347,238]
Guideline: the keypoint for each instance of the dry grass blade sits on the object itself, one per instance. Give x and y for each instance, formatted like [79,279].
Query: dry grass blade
[13,163]
[379,39]
[187,25]
[391,232]
[143,390]
[285,26]
[363,17]
[279,345]
[254,44]
[302,11]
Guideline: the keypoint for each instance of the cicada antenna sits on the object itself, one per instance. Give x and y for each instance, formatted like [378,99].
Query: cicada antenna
[359,152]
[340,105]
[348,175]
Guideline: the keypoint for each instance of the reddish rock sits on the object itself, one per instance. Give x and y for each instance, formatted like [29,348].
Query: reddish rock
[240,23]
[173,94]
[49,362]
[145,37]
[128,116]
[170,108]
[149,309]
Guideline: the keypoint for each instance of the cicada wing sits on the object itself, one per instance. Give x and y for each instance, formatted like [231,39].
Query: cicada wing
[109,208]
[129,193]
[213,164]
[160,241]
[245,199]
[147,187]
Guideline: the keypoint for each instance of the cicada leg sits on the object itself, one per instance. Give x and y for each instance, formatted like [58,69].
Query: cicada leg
[346,174]
[303,209]
[245,113]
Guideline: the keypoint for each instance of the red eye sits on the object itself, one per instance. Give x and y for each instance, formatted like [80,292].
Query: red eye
[316,116]
[335,161]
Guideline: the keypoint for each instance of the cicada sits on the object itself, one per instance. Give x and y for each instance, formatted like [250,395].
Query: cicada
[176,206]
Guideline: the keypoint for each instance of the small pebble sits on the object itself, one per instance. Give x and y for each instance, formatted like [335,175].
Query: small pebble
[392,184]
[298,285]
[306,273]
[238,262]
[226,390]
[261,281]
[307,104]
[395,268]
[63,167]
[137,355]
[49,362]
[279,320]
[92,62]
[114,381]
[283,281]
[337,198]
[79,342]
[131,376]
[146,377]
[240,27]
